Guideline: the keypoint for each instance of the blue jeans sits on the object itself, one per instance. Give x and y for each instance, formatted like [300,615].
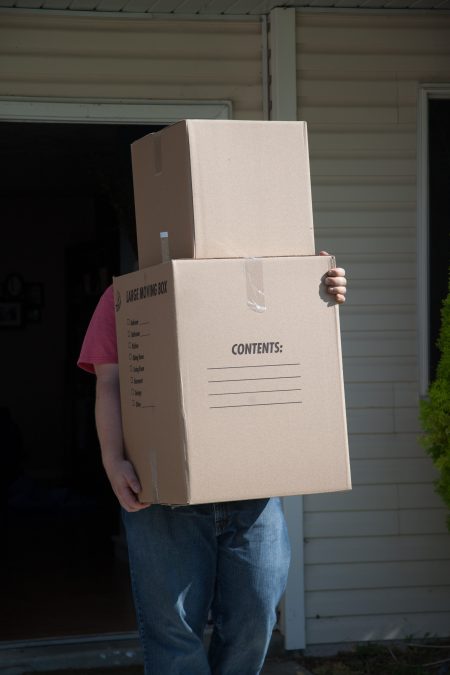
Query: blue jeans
[229,558]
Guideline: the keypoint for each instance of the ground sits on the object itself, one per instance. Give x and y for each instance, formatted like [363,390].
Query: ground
[421,657]
[425,657]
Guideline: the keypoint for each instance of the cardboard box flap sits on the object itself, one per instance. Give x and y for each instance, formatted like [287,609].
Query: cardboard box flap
[162,190]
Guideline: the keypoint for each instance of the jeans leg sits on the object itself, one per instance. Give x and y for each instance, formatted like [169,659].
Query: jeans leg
[172,556]
[253,562]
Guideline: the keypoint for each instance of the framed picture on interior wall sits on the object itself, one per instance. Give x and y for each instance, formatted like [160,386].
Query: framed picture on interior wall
[11,314]
[33,314]
[34,294]
[14,286]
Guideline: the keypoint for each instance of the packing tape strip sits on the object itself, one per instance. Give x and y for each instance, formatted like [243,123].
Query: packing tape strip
[165,251]
[154,474]
[255,284]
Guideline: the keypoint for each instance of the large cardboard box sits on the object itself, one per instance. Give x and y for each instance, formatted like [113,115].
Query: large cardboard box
[231,379]
[223,189]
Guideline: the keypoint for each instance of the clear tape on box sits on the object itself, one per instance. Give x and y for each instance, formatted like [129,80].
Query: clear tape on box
[255,284]
[154,474]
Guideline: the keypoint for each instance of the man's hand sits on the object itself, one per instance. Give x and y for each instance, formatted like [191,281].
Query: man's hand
[125,484]
[336,282]
[119,470]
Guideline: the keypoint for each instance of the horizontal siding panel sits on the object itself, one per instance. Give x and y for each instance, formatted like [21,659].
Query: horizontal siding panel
[407,89]
[371,601]
[371,294]
[343,137]
[123,25]
[383,420]
[348,92]
[406,395]
[360,220]
[380,64]
[371,420]
[233,71]
[423,521]
[356,524]
[386,446]
[378,523]
[407,114]
[375,627]
[395,343]
[339,190]
[366,207]
[353,115]
[374,21]
[361,497]
[378,471]
[381,369]
[412,496]
[130,44]
[386,575]
[343,245]
[390,166]
[57,4]
[381,395]
[407,420]
[371,548]
[376,497]
[379,319]
[368,41]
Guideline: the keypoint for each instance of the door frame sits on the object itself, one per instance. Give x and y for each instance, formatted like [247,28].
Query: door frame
[109,111]
[96,111]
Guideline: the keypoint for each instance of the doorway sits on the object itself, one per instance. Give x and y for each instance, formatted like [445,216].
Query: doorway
[68,214]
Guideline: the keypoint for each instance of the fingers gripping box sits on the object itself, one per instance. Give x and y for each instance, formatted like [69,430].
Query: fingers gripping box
[218,186]
[231,379]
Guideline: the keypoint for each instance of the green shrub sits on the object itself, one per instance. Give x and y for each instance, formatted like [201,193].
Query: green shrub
[435,411]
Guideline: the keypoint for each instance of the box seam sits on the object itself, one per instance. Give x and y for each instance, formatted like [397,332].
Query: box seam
[180,388]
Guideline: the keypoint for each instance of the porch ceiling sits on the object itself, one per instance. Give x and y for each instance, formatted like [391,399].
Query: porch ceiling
[205,8]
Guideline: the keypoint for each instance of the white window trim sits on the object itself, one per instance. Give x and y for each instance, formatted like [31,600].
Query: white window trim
[425,93]
[109,111]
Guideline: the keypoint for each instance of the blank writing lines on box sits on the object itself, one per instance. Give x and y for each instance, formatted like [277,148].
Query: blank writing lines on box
[271,386]
[136,330]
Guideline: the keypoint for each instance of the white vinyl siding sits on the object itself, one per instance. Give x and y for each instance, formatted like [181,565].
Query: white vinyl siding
[110,58]
[377,559]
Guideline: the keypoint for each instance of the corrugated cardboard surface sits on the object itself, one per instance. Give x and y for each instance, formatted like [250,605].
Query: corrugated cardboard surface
[238,399]
[223,189]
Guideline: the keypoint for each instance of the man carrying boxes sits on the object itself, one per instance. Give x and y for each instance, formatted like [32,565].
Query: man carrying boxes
[230,394]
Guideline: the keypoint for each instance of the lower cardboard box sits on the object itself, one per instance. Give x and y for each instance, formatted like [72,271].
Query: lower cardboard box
[231,379]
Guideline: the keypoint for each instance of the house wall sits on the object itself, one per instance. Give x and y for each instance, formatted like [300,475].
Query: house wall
[377,558]
[85,57]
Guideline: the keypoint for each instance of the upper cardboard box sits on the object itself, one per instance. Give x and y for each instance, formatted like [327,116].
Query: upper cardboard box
[223,189]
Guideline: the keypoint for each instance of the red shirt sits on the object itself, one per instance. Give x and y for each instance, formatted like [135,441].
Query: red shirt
[100,341]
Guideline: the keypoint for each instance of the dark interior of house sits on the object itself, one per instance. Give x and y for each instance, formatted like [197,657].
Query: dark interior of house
[68,224]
